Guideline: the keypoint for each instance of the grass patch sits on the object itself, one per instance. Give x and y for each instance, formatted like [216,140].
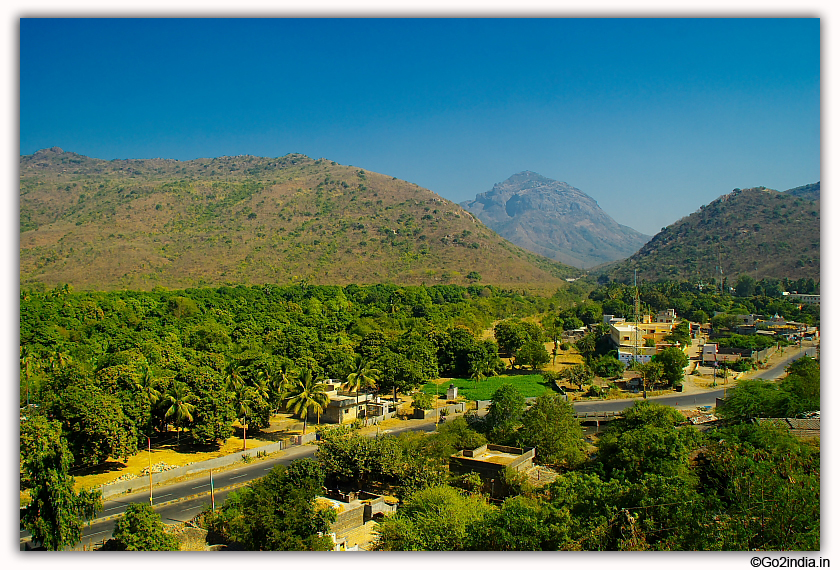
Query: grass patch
[529,385]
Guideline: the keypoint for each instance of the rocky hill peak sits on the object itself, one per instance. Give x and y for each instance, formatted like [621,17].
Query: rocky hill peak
[554,219]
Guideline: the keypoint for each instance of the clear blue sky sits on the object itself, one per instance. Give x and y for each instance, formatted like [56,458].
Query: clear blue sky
[651,117]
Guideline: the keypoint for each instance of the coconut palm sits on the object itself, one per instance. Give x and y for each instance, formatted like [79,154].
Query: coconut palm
[180,404]
[307,394]
[235,379]
[280,383]
[363,376]
[148,385]
[58,360]
[28,365]
[244,403]
[477,370]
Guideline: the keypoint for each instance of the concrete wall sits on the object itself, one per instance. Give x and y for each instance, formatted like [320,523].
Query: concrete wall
[431,414]
[523,462]
[476,451]
[352,517]
[143,482]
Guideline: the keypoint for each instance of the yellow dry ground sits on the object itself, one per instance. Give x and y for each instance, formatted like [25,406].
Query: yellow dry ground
[167,454]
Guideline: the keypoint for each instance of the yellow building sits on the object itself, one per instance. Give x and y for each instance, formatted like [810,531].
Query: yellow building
[641,341]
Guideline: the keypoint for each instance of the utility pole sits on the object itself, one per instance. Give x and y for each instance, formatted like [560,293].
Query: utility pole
[150,470]
[636,333]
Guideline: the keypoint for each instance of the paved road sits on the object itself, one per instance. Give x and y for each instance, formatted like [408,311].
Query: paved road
[779,370]
[182,501]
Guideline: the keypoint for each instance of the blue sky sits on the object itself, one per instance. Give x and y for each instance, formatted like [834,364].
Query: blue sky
[651,117]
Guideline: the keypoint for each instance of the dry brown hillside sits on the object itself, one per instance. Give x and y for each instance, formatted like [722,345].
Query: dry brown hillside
[137,224]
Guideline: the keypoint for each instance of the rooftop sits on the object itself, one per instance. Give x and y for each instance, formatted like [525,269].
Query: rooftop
[498,457]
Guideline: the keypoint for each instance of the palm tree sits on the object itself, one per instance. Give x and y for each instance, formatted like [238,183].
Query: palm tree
[147,385]
[28,364]
[477,371]
[180,405]
[270,387]
[235,380]
[58,360]
[363,376]
[244,407]
[307,394]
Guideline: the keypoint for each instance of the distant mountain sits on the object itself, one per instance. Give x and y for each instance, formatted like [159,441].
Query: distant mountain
[137,224]
[809,191]
[756,231]
[555,220]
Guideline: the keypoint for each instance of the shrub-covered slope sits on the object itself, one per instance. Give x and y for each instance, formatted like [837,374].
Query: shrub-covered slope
[138,224]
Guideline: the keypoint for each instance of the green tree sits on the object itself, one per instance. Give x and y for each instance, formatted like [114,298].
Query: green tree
[550,426]
[142,529]
[753,399]
[214,412]
[681,334]
[522,523]
[245,400]
[745,287]
[765,487]
[802,384]
[399,372]
[179,405]
[511,335]
[183,307]
[363,376]
[434,519]
[29,365]
[587,346]
[94,423]
[56,513]
[505,414]
[147,386]
[284,380]
[673,361]
[647,441]
[579,374]
[651,373]
[278,511]
[307,395]
[533,354]
[608,367]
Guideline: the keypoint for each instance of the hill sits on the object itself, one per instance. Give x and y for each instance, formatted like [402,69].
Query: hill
[137,224]
[757,232]
[809,191]
[554,219]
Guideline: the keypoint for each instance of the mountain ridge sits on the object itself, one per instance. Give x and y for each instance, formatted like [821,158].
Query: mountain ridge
[142,223]
[554,219]
[757,231]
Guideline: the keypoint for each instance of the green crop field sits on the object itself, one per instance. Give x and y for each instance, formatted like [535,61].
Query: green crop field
[529,385]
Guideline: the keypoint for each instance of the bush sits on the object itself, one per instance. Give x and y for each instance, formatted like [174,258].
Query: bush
[142,529]
[423,401]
